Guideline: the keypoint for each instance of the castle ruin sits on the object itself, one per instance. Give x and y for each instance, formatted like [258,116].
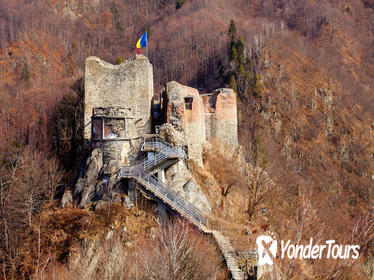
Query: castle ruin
[142,144]
[117,106]
[200,117]
[121,116]
[118,110]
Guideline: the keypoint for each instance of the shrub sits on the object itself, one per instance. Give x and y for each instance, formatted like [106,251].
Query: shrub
[180,3]
[25,73]
[119,60]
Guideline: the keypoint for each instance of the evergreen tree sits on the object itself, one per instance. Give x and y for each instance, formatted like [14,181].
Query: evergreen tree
[240,76]
[119,60]
[232,29]
[257,85]
[25,73]
[233,53]
[240,48]
[180,3]
[232,83]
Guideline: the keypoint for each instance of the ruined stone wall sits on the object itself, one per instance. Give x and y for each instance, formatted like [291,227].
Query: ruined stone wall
[209,104]
[191,121]
[227,117]
[209,116]
[220,115]
[128,86]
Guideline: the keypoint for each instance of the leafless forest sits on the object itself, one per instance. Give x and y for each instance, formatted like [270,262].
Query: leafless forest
[303,70]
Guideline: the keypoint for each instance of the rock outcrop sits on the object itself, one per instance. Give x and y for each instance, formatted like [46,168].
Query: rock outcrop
[181,180]
[170,134]
[98,182]
[67,199]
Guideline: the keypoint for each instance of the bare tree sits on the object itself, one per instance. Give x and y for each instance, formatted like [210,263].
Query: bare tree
[8,239]
[362,235]
[38,179]
[223,164]
[101,259]
[178,252]
[258,184]
[27,180]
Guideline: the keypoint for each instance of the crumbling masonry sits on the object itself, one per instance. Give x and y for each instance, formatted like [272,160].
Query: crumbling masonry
[120,113]
[117,112]
[138,141]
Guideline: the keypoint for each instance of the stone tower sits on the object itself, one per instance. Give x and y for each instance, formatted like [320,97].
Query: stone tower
[117,106]
[201,117]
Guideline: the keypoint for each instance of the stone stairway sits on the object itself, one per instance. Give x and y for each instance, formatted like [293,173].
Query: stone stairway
[141,172]
[227,251]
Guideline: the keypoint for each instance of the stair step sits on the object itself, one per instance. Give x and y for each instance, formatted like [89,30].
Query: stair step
[185,209]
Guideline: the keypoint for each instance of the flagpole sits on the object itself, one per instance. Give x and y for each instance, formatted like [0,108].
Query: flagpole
[146,49]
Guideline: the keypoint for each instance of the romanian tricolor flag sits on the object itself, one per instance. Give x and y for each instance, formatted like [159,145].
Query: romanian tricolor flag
[142,42]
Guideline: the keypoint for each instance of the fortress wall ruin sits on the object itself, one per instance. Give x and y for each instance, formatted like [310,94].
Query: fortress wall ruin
[126,90]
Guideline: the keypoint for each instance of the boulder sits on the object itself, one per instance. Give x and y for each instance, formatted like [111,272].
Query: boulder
[194,194]
[181,180]
[87,195]
[171,135]
[89,174]
[112,167]
[99,183]
[67,199]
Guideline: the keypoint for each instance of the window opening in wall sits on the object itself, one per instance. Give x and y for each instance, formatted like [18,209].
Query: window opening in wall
[114,128]
[97,129]
[106,128]
[188,101]
[212,101]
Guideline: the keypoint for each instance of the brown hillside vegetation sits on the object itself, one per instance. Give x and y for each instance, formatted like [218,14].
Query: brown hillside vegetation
[304,75]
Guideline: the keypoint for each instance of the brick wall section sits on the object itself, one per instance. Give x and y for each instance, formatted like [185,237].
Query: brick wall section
[220,115]
[212,115]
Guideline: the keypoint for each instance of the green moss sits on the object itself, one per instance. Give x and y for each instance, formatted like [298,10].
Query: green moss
[119,60]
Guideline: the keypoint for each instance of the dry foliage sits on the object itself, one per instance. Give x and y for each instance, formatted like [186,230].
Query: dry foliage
[175,252]
[314,139]
[179,252]
[27,181]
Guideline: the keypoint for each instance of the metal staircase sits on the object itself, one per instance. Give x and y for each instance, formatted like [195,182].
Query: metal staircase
[167,195]
[142,173]
[164,152]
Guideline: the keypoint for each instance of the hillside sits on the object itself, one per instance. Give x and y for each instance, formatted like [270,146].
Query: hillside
[303,71]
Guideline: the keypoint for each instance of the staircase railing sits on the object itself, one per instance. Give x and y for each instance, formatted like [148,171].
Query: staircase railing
[168,195]
[149,162]
[140,172]
[163,152]
[157,144]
